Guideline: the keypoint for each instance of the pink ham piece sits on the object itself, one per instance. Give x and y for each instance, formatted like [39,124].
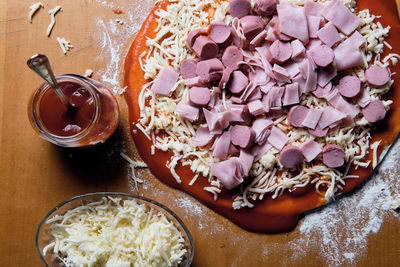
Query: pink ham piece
[322,55]
[377,76]
[312,118]
[259,150]
[314,24]
[293,21]
[239,8]
[375,111]
[310,150]
[188,68]
[341,17]
[193,35]
[202,137]
[259,76]
[291,95]
[261,127]
[226,75]
[164,82]
[238,82]
[347,54]
[252,26]
[246,162]
[232,56]
[277,138]
[330,116]
[311,75]
[279,52]
[227,172]
[242,113]
[242,136]
[290,156]
[333,97]
[256,108]
[312,8]
[199,96]
[349,86]
[275,96]
[321,92]
[347,108]
[205,48]
[219,32]
[301,81]
[333,156]
[265,7]
[329,35]
[209,70]
[196,81]
[188,112]
[318,132]
[296,115]
[293,68]
[298,50]
[281,74]
[363,99]
[221,146]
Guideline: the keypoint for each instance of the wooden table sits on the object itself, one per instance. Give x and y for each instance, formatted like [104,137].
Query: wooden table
[36,175]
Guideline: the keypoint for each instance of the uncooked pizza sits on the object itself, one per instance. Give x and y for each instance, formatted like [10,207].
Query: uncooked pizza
[264,109]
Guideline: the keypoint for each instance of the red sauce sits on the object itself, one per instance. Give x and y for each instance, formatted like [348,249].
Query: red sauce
[59,120]
[268,215]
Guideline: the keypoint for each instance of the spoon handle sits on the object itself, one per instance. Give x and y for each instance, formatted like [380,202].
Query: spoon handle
[40,64]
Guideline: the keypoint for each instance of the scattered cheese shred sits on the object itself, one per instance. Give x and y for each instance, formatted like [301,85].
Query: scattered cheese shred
[133,164]
[88,73]
[52,13]
[115,232]
[374,147]
[64,45]
[33,9]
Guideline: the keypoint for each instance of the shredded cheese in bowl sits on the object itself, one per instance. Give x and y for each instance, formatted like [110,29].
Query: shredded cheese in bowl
[113,229]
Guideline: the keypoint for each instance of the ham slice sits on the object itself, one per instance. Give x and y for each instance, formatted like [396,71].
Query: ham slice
[239,8]
[281,74]
[164,82]
[347,54]
[329,35]
[277,138]
[221,146]
[330,116]
[298,50]
[310,150]
[314,24]
[293,22]
[341,16]
[261,127]
[291,95]
[259,150]
[363,99]
[202,137]
[188,112]
[312,8]
[227,172]
[321,92]
[325,75]
[265,7]
[312,118]
[256,108]
[246,160]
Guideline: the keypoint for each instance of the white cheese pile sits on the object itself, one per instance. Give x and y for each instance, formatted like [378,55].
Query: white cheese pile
[115,232]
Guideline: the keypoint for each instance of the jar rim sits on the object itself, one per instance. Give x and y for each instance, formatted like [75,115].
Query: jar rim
[35,115]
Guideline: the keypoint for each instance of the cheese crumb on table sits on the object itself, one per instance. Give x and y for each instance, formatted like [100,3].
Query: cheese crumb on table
[64,44]
[88,73]
[33,9]
[52,13]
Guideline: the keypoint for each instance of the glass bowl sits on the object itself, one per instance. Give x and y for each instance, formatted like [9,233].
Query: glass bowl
[43,236]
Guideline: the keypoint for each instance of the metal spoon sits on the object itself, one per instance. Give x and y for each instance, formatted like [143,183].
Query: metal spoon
[40,64]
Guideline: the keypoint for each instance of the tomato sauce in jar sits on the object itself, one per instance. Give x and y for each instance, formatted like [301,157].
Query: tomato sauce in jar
[92,119]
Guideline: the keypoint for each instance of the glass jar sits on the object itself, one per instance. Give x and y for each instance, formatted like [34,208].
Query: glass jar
[92,121]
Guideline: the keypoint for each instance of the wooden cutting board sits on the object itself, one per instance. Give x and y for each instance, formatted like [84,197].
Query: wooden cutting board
[36,176]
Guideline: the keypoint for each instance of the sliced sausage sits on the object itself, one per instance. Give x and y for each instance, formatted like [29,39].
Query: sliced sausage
[238,82]
[226,75]
[265,7]
[252,26]
[322,55]
[242,136]
[239,8]
[210,70]
[291,156]
[199,96]
[349,86]
[377,76]
[188,68]
[333,156]
[296,115]
[205,48]
[318,132]
[232,56]
[219,32]
[279,52]
[375,111]
[192,36]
